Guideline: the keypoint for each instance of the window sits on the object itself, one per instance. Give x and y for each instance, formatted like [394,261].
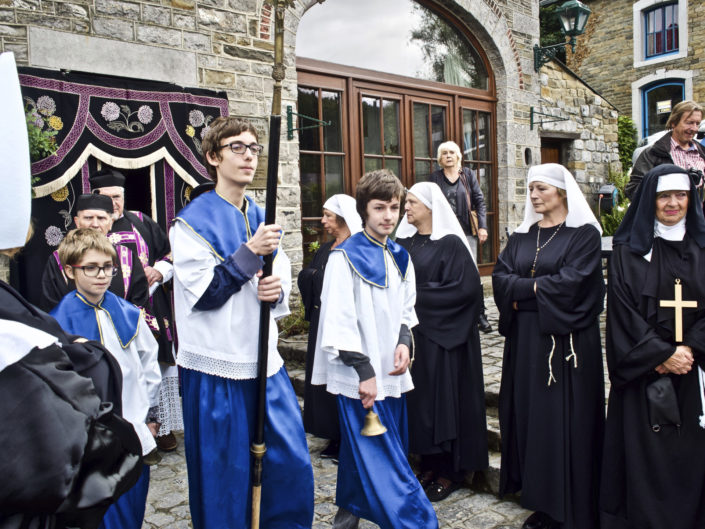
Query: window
[322,157]
[400,37]
[661,30]
[658,100]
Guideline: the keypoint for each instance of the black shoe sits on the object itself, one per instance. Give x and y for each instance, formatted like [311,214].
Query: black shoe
[483,324]
[345,520]
[540,520]
[331,451]
[440,489]
[425,478]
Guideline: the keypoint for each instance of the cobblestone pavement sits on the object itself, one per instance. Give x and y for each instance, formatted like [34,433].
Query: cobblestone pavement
[167,504]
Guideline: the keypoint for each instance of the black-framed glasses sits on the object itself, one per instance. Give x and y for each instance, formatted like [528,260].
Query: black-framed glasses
[239,148]
[93,270]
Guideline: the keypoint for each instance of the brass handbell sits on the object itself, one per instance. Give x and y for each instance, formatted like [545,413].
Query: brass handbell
[373,426]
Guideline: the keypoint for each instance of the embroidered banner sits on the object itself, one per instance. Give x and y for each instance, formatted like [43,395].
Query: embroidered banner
[152,131]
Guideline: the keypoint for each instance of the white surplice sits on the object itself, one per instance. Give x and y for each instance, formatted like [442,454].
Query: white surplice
[358,316]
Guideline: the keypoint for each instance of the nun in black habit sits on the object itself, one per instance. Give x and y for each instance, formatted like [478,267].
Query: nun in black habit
[653,472]
[446,409]
[549,290]
[340,220]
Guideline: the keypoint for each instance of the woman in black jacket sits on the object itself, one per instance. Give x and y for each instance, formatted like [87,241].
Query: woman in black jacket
[461,189]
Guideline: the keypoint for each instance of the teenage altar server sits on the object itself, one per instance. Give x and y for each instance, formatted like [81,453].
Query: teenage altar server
[363,354]
[217,242]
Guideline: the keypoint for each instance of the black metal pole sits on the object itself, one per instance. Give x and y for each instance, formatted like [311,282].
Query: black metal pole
[258,447]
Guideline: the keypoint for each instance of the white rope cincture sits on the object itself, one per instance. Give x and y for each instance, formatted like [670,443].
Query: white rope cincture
[701,378]
[551,378]
[572,354]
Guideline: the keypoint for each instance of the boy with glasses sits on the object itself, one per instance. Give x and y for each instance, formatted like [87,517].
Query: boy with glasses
[96,314]
[130,282]
[217,242]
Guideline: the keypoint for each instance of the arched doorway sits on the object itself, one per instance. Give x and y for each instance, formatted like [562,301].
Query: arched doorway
[391,97]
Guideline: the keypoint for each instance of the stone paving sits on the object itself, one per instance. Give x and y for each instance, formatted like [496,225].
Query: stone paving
[167,504]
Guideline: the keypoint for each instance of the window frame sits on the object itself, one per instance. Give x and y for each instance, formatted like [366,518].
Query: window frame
[653,86]
[664,30]
[640,11]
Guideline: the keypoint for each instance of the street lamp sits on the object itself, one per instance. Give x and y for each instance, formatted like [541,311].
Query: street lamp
[573,15]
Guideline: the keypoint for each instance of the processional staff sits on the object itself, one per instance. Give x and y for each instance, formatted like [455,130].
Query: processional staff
[258,447]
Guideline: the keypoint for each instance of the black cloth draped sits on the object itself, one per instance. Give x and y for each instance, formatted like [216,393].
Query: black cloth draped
[320,407]
[447,406]
[66,454]
[552,434]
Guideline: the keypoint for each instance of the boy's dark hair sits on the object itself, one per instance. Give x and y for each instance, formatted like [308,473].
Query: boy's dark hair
[221,128]
[381,184]
[77,242]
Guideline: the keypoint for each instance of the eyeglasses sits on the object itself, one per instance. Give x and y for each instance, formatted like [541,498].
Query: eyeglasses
[239,148]
[94,270]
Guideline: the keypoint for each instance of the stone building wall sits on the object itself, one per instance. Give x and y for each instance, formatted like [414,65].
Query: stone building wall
[591,124]
[604,56]
[228,45]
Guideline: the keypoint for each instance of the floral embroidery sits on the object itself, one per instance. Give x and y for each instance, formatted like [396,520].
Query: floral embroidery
[61,194]
[110,111]
[118,117]
[46,105]
[145,114]
[42,126]
[187,193]
[53,235]
[114,238]
[55,122]
[197,119]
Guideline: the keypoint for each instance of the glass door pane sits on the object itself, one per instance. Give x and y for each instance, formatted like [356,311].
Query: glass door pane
[429,130]
[321,161]
[477,156]
[381,133]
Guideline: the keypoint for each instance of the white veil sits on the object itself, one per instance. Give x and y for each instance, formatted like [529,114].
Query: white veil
[579,211]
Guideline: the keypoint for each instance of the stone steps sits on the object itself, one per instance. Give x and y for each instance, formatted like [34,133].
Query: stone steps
[293,350]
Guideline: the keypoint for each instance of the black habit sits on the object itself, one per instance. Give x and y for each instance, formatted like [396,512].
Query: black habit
[446,409]
[654,478]
[158,248]
[320,407]
[552,434]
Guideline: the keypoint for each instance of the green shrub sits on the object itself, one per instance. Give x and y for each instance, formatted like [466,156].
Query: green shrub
[626,138]
[294,324]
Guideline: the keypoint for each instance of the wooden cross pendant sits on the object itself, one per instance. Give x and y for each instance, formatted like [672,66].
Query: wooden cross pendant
[678,305]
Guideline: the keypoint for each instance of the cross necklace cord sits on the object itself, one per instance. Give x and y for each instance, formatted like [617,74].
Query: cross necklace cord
[678,304]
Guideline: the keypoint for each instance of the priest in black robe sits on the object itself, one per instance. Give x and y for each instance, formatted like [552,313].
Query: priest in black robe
[549,290]
[446,409]
[148,242]
[340,220]
[130,282]
[653,472]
